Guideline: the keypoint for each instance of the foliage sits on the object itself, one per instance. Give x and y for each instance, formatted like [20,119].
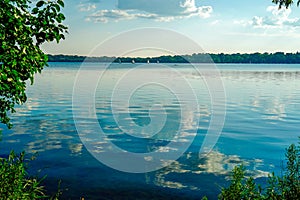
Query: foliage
[14,183]
[23,28]
[279,187]
[278,57]
[240,187]
[288,186]
[286,3]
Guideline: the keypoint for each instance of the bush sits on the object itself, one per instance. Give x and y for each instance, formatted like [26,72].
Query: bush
[279,187]
[14,180]
[240,187]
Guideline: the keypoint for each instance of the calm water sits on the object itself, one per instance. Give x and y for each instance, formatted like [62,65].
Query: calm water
[262,119]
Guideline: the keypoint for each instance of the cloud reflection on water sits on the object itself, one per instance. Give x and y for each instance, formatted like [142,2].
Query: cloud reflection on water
[45,124]
[215,164]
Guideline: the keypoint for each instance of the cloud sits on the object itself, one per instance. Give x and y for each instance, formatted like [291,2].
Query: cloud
[105,15]
[166,10]
[278,18]
[215,22]
[86,7]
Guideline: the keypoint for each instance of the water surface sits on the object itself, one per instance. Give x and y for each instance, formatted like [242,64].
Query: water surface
[262,119]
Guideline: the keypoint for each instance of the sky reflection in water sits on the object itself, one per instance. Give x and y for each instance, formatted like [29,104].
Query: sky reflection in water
[262,119]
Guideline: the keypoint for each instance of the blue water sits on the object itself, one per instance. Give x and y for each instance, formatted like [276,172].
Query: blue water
[262,119]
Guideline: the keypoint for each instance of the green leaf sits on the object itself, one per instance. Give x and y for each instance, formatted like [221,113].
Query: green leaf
[61,16]
[57,7]
[35,11]
[21,55]
[40,4]
[61,2]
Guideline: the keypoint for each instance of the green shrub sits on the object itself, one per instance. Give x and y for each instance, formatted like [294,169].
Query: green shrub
[14,180]
[240,187]
[286,186]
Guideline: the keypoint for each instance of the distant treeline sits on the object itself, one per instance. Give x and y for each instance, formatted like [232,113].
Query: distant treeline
[278,57]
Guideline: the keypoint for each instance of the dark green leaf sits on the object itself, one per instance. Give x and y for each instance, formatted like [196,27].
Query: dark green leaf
[57,7]
[35,11]
[40,3]
[61,2]
[22,56]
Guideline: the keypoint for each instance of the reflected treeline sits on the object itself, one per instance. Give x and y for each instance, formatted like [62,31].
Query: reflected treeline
[261,75]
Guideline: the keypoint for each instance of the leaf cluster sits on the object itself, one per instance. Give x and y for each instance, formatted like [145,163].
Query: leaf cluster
[285,3]
[23,29]
[278,188]
[14,183]
[240,187]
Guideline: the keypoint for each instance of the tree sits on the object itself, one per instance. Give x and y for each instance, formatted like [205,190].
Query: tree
[23,28]
[240,187]
[286,3]
[286,186]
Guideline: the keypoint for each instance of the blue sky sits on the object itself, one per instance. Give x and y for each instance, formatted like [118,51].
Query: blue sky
[216,25]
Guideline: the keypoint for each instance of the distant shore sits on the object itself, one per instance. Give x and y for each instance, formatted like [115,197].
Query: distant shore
[256,58]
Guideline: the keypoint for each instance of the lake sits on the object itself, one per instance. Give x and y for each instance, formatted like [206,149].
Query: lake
[164,109]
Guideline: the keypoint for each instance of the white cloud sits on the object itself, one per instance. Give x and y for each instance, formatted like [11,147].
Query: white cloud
[105,15]
[278,18]
[215,22]
[241,22]
[190,9]
[85,7]
[166,10]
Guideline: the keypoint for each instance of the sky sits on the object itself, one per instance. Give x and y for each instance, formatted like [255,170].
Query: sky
[217,26]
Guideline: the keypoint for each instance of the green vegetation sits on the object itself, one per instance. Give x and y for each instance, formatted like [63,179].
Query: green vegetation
[286,3]
[15,183]
[240,187]
[267,58]
[22,30]
[286,186]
